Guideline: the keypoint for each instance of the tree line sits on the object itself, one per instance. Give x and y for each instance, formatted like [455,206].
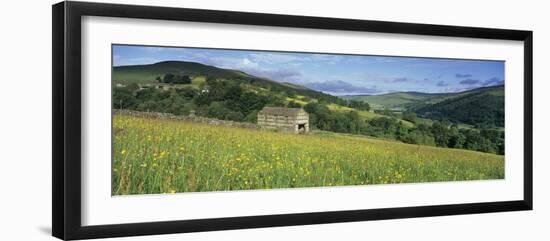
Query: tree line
[170,78]
[440,133]
[477,109]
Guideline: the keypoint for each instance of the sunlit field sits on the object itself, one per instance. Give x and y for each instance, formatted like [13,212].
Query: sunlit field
[169,156]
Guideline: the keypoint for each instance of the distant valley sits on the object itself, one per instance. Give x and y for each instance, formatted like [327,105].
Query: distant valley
[480,105]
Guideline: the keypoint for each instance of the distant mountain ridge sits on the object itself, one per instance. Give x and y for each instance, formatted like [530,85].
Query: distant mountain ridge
[148,72]
[480,106]
[410,99]
[145,74]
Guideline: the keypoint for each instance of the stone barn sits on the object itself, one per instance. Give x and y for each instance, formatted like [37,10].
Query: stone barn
[287,119]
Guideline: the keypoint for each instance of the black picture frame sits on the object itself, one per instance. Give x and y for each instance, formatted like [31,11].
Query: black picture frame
[66,128]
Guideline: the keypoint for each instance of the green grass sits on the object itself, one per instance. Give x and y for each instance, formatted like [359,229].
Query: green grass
[336,107]
[297,100]
[393,100]
[167,156]
[198,80]
[137,77]
[424,121]
[367,115]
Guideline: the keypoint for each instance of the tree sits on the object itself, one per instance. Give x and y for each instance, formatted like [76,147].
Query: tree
[176,79]
[187,93]
[417,136]
[145,94]
[168,78]
[409,116]
[354,122]
[183,79]
[203,100]
[359,105]
[324,119]
[233,93]
[441,134]
[293,104]
[148,105]
[123,98]
[251,102]
[457,139]
[475,141]
[496,137]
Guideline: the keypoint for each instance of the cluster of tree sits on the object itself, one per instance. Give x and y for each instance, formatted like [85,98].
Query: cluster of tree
[481,109]
[409,116]
[386,112]
[358,105]
[284,89]
[321,117]
[441,134]
[219,99]
[170,78]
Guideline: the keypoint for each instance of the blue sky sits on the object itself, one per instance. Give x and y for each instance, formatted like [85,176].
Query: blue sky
[336,74]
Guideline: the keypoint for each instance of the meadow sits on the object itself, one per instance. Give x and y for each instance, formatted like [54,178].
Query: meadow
[168,156]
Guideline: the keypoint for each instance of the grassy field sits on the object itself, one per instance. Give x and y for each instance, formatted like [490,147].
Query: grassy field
[391,100]
[367,115]
[169,156]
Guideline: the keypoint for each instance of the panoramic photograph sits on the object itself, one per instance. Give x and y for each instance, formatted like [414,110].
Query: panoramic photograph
[203,119]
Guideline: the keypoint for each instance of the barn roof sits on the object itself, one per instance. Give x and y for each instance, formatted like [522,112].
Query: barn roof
[281,111]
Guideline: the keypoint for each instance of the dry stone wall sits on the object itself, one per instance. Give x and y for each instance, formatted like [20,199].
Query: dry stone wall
[191,118]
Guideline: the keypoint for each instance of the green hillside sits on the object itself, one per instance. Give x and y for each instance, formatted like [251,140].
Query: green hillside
[396,100]
[147,74]
[417,100]
[367,115]
[483,106]
[143,74]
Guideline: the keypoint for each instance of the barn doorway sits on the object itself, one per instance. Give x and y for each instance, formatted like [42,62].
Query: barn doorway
[301,128]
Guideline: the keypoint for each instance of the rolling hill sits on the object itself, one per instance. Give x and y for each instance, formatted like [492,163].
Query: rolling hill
[479,106]
[147,74]
[396,100]
[143,74]
[411,100]
[275,91]
[483,105]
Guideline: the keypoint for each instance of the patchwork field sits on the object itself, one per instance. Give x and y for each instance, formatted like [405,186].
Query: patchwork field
[169,156]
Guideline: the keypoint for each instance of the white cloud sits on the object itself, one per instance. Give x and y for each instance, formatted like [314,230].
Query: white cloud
[248,64]
[275,58]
